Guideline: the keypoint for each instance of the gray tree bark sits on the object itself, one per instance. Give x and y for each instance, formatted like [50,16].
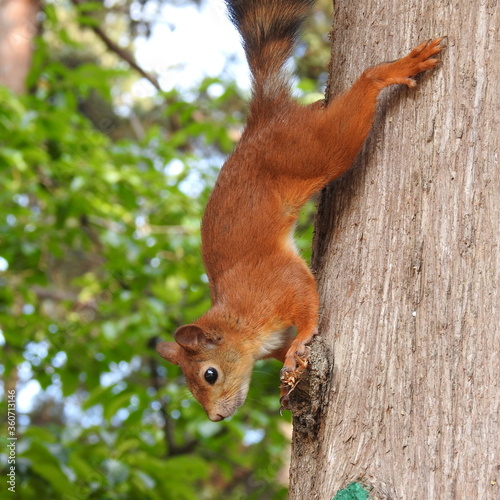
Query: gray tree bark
[403,394]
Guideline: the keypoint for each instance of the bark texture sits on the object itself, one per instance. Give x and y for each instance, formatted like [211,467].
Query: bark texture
[407,257]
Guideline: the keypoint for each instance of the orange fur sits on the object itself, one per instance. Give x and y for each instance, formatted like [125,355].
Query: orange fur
[260,287]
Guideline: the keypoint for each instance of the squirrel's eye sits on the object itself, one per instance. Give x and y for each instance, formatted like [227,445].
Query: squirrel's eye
[211,376]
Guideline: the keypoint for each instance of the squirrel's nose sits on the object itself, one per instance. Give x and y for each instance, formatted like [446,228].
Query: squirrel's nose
[216,418]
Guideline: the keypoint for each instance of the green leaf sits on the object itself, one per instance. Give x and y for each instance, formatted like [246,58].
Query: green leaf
[89,6]
[55,477]
[86,20]
[13,158]
[99,395]
[117,402]
[40,433]
[81,467]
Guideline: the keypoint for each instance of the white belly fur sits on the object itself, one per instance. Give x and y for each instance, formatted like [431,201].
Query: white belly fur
[275,340]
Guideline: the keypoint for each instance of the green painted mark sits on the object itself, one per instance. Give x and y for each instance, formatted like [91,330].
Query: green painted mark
[354,491]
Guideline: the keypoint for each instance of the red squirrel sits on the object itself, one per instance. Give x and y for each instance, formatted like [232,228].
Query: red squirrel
[264,297]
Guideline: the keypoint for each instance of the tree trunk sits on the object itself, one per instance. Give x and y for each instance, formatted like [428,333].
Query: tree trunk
[407,256]
[18,26]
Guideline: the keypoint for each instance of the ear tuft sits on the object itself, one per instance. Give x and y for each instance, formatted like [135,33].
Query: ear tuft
[170,351]
[192,338]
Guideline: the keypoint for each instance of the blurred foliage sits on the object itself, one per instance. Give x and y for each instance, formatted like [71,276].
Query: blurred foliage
[99,259]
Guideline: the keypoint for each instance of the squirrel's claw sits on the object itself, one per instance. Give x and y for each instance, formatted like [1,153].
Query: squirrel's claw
[290,377]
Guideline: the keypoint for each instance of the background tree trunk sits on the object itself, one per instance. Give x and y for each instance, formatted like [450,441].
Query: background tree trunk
[407,256]
[18,26]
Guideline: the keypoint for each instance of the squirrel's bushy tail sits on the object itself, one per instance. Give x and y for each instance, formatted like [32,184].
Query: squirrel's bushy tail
[269,29]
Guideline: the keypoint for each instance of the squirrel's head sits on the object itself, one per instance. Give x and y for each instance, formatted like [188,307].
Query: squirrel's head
[216,373]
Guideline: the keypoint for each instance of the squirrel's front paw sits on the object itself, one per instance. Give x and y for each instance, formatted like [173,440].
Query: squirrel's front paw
[293,368]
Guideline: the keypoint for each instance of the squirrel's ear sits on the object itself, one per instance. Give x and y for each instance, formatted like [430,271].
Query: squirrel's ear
[171,351]
[192,338]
